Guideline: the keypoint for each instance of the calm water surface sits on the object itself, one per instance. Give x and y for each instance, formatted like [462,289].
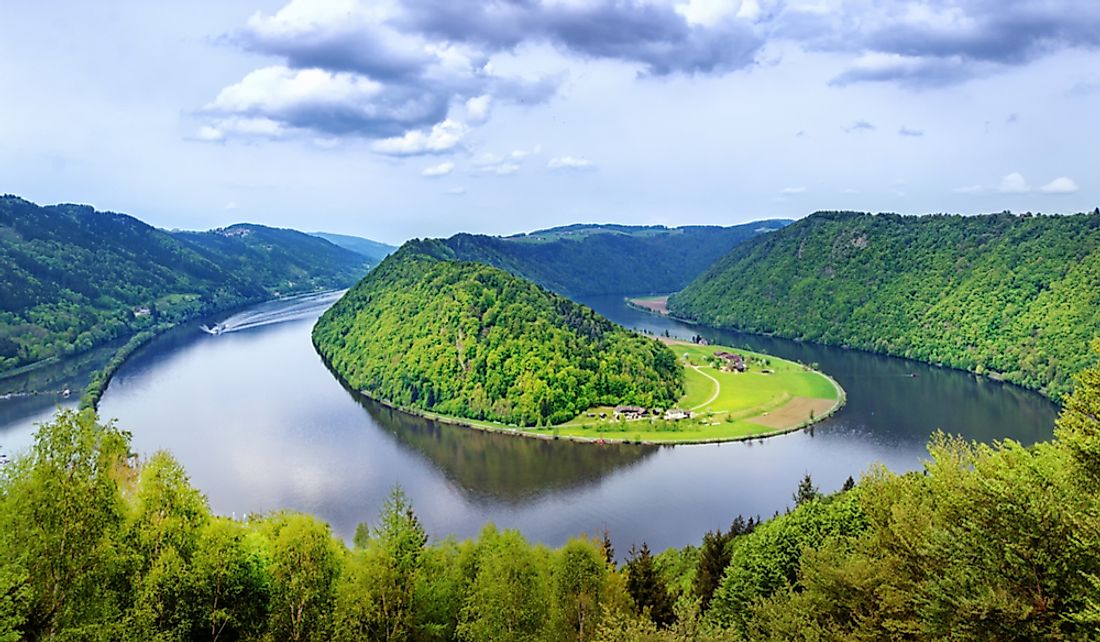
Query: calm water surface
[260,424]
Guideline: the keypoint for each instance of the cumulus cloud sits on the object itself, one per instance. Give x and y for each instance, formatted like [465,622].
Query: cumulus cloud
[1014,183]
[569,162]
[661,37]
[381,70]
[397,68]
[935,42]
[914,133]
[441,138]
[442,169]
[1060,185]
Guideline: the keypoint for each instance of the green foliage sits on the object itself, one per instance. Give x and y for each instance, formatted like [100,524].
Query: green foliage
[806,492]
[580,260]
[508,599]
[1014,297]
[74,278]
[305,566]
[647,588]
[579,575]
[469,340]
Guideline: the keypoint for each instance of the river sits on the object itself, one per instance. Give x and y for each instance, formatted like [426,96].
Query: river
[261,425]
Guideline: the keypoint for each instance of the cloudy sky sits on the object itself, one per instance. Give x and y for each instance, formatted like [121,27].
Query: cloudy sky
[400,118]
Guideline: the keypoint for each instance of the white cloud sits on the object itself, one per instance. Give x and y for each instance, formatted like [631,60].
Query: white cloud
[456,191]
[1014,183]
[477,109]
[443,137]
[794,190]
[569,162]
[281,89]
[442,169]
[500,169]
[210,134]
[1060,185]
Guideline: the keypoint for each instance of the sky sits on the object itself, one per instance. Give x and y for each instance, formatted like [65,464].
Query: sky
[394,119]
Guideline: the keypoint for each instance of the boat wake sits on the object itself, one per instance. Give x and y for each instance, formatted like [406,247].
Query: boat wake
[280,311]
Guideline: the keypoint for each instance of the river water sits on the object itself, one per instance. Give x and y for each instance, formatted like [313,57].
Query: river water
[260,425]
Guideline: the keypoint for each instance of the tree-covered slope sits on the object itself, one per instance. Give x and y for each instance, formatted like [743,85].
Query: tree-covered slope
[72,277]
[469,340]
[373,250]
[1017,297]
[580,260]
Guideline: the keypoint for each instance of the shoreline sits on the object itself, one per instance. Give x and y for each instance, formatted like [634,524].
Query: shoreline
[992,377]
[92,393]
[492,427]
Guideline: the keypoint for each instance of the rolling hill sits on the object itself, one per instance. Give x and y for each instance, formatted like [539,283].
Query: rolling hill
[469,340]
[1014,297]
[73,278]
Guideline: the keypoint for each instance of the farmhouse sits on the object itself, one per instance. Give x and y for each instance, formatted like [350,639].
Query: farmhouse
[675,414]
[731,362]
[629,412]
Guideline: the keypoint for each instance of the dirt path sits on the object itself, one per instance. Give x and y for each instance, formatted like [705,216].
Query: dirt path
[717,389]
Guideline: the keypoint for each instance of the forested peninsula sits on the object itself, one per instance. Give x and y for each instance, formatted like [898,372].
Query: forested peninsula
[463,339]
[586,259]
[1015,297]
[73,278]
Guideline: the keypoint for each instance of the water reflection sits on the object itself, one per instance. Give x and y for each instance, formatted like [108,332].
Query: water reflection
[493,467]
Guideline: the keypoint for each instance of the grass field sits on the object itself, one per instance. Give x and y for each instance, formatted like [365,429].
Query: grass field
[771,397]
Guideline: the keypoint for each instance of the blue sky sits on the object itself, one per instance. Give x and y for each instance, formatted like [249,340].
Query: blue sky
[402,118]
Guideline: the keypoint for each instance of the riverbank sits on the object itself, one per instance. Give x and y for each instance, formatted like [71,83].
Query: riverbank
[93,392]
[770,397]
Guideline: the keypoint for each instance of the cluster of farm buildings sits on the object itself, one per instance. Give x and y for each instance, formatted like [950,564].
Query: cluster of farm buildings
[731,362]
[639,412]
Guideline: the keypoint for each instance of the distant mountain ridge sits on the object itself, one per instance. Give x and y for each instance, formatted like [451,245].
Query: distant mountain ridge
[592,259]
[73,277]
[1016,297]
[373,250]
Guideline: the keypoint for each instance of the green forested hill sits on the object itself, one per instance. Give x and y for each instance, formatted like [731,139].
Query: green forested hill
[469,340]
[1017,297]
[580,260]
[72,277]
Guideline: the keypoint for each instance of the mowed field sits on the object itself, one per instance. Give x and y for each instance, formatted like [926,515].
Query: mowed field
[772,396]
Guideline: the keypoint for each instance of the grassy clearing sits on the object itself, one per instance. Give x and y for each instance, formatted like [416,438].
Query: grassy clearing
[771,397]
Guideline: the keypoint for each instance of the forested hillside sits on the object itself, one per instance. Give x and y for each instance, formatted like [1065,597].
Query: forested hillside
[72,277]
[1015,297]
[994,542]
[580,260]
[372,250]
[469,340]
